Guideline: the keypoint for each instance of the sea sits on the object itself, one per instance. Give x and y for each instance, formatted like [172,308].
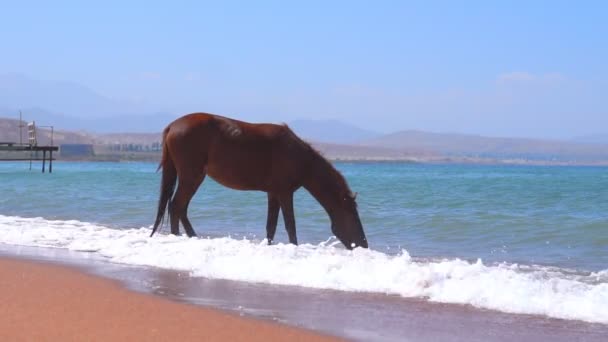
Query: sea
[520,240]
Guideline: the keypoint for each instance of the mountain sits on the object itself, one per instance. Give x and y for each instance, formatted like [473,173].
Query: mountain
[9,132]
[72,106]
[413,146]
[593,139]
[463,145]
[79,114]
[143,123]
[331,131]
[72,99]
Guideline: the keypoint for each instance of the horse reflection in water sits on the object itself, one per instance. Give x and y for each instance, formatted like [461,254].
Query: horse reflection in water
[246,156]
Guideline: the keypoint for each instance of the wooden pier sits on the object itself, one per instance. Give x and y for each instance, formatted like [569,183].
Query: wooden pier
[31,147]
[15,147]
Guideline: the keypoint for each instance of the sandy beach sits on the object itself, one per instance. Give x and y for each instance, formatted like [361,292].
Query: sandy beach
[49,293]
[43,302]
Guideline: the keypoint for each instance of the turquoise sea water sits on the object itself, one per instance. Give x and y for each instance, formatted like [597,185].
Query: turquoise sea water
[552,216]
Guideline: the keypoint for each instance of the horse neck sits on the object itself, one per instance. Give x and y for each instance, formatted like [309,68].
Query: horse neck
[324,184]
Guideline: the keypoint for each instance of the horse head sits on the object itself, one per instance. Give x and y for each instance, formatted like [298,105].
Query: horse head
[346,224]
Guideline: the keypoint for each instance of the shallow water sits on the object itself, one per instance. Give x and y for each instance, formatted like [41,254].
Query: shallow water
[489,236]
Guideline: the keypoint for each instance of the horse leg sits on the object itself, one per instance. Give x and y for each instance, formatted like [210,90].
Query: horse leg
[178,208]
[173,217]
[286,202]
[184,217]
[272,218]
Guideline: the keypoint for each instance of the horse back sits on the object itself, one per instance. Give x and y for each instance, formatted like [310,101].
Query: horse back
[238,154]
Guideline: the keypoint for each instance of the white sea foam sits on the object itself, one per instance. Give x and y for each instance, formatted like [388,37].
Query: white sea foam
[508,288]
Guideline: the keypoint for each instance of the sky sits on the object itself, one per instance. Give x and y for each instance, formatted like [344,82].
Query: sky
[501,68]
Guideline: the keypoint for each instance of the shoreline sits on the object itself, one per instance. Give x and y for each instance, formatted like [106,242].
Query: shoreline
[413,160]
[43,300]
[347,315]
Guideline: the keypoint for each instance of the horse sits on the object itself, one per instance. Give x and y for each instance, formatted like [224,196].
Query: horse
[247,156]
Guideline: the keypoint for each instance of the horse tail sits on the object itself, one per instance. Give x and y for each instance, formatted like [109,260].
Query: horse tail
[167,186]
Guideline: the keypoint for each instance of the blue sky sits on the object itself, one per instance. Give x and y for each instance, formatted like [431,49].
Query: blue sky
[509,68]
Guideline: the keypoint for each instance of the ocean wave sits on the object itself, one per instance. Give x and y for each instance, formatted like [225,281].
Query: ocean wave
[513,288]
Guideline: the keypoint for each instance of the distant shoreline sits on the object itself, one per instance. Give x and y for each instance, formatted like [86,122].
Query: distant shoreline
[413,160]
[400,147]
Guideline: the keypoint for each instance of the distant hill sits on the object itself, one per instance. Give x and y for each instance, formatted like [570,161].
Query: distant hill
[75,107]
[144,123]
[360,152]
[593,139]
[463,145]
[72,106]
[70,98]
[405,145]
[9,132]
[332,131]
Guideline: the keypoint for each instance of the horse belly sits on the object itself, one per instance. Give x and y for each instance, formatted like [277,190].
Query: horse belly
[238,173]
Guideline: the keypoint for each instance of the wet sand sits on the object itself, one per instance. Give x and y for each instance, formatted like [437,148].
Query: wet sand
[44,302]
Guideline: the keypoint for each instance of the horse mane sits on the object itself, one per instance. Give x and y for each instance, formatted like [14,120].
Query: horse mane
[335,178]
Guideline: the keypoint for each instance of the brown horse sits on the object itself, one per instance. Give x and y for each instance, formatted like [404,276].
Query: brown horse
[245,156]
